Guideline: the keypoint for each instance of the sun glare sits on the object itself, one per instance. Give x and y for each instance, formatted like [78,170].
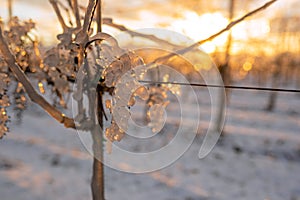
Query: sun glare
[200,27]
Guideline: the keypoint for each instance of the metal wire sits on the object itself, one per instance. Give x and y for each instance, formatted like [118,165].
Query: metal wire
[226,86]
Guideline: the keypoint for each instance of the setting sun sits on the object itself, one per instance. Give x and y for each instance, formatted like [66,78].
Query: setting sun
[199,27]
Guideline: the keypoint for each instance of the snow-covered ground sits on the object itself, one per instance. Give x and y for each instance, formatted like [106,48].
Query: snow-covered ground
[258,159]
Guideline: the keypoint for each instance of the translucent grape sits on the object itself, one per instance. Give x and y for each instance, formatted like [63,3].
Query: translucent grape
[142,92]
[114,133]
[121,116]
[4,80]
[4,103]
[3,121]
[131,101]
[108,104]
[156,115]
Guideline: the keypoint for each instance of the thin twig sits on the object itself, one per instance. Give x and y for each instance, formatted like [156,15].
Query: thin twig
[67,10]
[70,4]
[33,95]
[59,15]
[76,13]
[89,15]
[99,16]
[10,12]
[82,36]
[109,22]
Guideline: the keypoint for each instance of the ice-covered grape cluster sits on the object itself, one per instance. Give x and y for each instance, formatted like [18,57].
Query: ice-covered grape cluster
[4,103]
[158,95]
[20,100]
[24,44]
[114,132]
[156,104]
[124,77]
[121,75]
[119,66]
[60,65]
[156,115]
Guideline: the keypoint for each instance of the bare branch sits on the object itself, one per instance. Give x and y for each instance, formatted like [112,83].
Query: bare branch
[99,16]
[89,15]
[227,28]
[10,12]
[82,37]
[70,4]
[97,184]
[109,22]
[67,10]
[59,15]
[76,13]
[33,95]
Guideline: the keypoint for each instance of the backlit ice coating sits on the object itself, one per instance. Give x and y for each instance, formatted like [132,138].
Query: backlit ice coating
[156,115]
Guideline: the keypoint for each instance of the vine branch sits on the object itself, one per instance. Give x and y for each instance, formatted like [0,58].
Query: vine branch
[99,16]
[82,36]
[109,22]
[10,12]
[89,14]
[76,13]
[97,184]
[59,15]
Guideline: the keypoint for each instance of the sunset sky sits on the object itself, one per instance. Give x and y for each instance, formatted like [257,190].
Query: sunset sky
[190,17]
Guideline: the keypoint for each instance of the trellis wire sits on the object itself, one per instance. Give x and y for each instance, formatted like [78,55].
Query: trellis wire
[225,86]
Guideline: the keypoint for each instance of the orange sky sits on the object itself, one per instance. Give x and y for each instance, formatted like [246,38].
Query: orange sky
[169,14]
